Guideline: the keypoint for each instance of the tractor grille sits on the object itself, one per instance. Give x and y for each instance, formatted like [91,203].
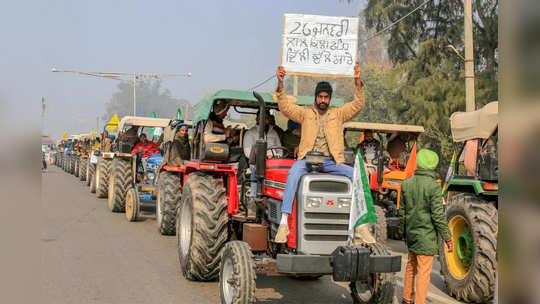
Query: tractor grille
[324,227]
[328,186]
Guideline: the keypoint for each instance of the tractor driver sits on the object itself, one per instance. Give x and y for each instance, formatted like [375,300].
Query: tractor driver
[148,147]
[322,131]
[215,131]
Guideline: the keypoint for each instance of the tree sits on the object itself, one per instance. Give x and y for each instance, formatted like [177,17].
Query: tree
[151,97]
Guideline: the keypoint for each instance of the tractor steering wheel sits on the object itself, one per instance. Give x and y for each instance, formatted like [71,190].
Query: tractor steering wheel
[278,155]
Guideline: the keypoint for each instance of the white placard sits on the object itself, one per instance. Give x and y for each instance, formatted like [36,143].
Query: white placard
[313,44]
[93,159]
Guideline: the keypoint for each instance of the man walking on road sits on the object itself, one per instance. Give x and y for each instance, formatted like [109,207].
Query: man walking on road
[322,131]
[421,219]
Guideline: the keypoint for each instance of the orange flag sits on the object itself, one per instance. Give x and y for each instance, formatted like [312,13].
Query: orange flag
[411,164]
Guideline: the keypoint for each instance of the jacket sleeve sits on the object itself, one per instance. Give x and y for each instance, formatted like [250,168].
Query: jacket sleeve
[209,136]
[291,111]
[136,148]
[437,213]
[249,140]
[402,207]
[349,110]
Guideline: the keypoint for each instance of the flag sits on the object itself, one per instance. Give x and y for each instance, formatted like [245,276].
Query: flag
[179,114]
[450,172]
[113,123]
[65,135]
[411,164]
[152,129]
[362,208]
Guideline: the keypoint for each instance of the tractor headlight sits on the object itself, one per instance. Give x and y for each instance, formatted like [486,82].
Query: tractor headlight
[313,202]
[344,202]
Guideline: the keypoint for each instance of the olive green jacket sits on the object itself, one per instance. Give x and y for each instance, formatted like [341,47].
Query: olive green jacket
[422,213]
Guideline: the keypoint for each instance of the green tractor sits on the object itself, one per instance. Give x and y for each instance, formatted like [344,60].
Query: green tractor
[471,192]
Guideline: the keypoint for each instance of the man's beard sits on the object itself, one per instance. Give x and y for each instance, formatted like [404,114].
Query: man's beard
[321,106]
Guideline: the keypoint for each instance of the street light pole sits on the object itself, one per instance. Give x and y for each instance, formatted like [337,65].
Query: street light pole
[134,94]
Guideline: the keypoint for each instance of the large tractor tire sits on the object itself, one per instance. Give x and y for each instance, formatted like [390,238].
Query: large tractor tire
[379,229]
[119,184]
[76,167]
[72,165]
[470,270]
[82,169]
[380,287]
[201,226]
[93,183]
[102,177]
[89,172]
[168,198]
[237,274]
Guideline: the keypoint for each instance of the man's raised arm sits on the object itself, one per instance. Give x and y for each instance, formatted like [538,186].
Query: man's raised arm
[291,111]
[349,110]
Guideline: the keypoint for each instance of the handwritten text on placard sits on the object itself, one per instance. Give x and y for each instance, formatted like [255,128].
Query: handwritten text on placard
[319,44]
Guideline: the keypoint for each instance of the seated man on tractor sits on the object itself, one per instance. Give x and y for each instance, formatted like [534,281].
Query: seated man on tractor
[271,137]
[322,131]
[291,138]
[148,147]
[215,131]
[369,148]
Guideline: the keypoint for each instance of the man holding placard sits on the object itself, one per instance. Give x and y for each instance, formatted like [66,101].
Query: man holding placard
[322,131]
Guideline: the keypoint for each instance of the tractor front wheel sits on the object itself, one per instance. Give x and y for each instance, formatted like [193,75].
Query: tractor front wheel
[201,226]
[133,205]
[379,287]
[470,270]
[82,169]
[237,274]
[102,177]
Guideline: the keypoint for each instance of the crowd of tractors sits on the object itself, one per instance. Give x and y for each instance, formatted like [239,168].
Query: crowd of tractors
[204,201]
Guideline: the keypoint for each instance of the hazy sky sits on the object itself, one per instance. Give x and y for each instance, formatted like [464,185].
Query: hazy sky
[225,44]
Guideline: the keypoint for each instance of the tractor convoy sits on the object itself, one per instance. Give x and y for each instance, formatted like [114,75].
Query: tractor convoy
[225,215]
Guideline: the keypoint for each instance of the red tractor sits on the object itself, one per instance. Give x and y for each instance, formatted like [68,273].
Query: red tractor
[218,235]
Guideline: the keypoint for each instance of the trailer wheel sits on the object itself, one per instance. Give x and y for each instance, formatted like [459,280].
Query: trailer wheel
[76,168]
[237,274]
[133,205]
[168,198]
[89,172]
[470,270]
[380,287]
[201,226]
[119,182]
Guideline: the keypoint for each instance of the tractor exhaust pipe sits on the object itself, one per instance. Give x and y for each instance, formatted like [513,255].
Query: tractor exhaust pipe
[260,146]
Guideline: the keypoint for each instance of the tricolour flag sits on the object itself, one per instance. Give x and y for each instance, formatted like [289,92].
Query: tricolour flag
[362,209]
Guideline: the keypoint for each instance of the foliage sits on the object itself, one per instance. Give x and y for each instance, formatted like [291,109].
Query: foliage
[151,97]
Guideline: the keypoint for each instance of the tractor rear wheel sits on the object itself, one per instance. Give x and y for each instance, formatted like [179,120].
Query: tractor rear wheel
[89,172]
[168,198]
[470,270]
[201,226]
[379,229]
[119,183]
[76,167]
[380,287]
[93,183]
[237,274]
[82,169]
[102,177]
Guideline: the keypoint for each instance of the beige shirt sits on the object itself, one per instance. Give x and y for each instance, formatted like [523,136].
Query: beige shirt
[321,144]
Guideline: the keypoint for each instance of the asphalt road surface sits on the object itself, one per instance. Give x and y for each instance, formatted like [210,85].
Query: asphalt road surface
[90,255]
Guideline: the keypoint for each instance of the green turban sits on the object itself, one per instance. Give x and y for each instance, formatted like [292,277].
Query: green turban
[427,159]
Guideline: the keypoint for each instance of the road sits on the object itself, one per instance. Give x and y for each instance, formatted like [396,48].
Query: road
[90,255]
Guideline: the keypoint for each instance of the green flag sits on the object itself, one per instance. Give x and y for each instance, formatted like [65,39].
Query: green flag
[362,209]
[179,114]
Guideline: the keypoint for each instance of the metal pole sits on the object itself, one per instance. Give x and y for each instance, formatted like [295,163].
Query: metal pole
[97,124]
[469,58]
[135,94]
[295,85]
